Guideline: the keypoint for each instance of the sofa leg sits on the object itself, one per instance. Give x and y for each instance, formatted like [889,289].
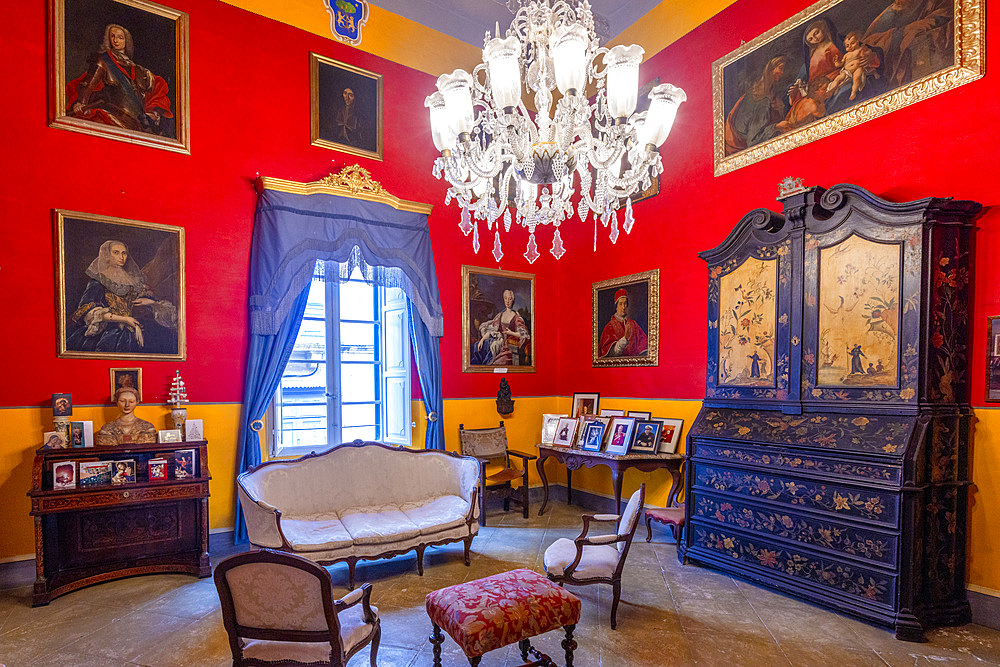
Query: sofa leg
[468,546]
[420,559]
[649,528]
[350,574]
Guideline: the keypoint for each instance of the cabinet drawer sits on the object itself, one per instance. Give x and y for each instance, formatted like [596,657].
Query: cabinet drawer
[834,499]
[790,564]
[69,501]
[822,533]
[777,459]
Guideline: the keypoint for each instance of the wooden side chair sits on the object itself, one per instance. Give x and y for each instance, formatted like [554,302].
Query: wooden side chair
[596,560]
[278,609]
[489,446]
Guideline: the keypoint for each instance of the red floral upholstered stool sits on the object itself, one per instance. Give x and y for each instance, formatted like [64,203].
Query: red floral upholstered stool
[673,517]
[496,611]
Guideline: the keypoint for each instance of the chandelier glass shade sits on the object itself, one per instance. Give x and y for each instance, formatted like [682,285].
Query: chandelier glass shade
[498,157]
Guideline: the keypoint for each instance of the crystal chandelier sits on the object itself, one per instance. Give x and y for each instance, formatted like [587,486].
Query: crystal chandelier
[497,156]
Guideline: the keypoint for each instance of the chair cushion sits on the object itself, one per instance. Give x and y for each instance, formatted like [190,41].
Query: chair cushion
[597,561]
[674,515]
[496,611]
[378,525]
[437,514]
[315,532]
[353,631]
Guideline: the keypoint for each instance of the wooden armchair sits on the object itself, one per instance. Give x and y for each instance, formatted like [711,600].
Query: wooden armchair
[278,609]
[489,446]
[596,560]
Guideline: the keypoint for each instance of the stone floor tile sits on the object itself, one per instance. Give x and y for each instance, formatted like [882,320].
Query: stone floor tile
[810,654]
[193,601]
[203,642]
[129,636]
[927,656]
[728,649]
[387,656]
[62,659]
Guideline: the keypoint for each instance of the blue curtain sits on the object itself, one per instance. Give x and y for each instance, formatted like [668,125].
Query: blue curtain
[427,354]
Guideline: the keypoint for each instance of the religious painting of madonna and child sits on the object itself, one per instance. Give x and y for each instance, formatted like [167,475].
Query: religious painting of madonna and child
[859,313]
[498,320]
[121,288]
[835,65]
[748,305]
[345,105]
[626,323]
[120,69]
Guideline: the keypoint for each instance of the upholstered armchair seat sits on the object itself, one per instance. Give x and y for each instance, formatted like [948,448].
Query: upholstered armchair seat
[597,561]
[362,501]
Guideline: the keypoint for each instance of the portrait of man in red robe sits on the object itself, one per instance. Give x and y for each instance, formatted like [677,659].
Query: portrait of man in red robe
[622,336]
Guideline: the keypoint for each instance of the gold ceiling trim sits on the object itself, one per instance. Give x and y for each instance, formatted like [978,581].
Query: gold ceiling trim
[353,181]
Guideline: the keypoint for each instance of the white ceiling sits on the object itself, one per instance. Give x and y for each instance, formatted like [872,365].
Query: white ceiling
[468,20]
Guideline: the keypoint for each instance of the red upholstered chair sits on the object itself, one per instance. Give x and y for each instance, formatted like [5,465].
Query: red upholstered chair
[672,517]
[278,609]
[597,560]
[489,446]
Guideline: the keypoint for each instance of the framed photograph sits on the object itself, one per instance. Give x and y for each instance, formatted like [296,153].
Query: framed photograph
[837,64]
[62,405]
[647,436]
[194,430]
[627,320]
[169,435]
[640,414]
[121,288]
[184,464]
[88,433]
[549,423]
[670,435]
[126,377]
[565,432]
[157,469]
[76,434]
[120,70]
[95,473]
[64,475]
[593,436]
[498,315]
[346,109]
[585,403]
[993,359]
[123,472]
[612,413]
[54,440]
[622,429]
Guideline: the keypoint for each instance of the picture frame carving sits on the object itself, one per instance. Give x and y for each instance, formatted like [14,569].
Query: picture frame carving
[496,336]
[633,341]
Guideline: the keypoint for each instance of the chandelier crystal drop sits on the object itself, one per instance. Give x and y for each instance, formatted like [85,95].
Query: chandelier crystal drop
[497,156]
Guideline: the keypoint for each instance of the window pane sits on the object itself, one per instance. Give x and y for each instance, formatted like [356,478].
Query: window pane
[357,342]
[357,301]
[302,425]
[304,382]
[357,382]
[316,304]
[365,414]
[360,432]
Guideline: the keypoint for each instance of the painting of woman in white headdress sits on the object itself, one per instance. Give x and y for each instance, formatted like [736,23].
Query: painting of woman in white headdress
[121,288]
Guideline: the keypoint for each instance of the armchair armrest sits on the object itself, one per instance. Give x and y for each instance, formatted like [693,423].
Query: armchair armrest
[521,455]
[263,520]
[587,518]
[362,595]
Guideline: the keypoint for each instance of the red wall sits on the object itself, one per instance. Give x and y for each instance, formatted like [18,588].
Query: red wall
[249,90]
[943,146]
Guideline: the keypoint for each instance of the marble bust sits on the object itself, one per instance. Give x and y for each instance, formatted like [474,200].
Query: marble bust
[127,428]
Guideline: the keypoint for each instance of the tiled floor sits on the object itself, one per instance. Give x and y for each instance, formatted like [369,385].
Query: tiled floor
[670,615]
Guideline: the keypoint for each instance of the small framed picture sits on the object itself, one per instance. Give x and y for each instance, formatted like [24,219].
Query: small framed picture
[345,107]
[170,435]
[549,423]
[88,434]
[95,473]
[565,432]
[585,403]
[993,359]
[157,469]
[593,436]
[76,434]
[647,436]
[126,377]
[621,435]
[184,464]
[64,475]
[123,472]
[640,414]
[670,436]
[62,405]
[54,440]
[612,413]
[193,430]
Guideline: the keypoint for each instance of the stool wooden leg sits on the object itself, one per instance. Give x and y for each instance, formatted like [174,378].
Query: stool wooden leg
[569,645]
[437,638]
[525,646]
[649,528]
[475,661]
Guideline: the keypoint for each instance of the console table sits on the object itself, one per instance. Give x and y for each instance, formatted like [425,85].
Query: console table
[575,459]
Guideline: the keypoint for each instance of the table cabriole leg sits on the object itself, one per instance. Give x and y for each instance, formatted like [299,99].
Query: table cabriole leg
[540,465]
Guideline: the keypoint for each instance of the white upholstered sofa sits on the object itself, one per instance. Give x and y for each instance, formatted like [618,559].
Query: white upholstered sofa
[362,501]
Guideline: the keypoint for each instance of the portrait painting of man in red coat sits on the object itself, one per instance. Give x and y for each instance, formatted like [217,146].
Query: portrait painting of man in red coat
[625,320]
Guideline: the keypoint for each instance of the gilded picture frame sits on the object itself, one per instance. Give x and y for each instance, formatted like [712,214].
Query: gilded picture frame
[119,307]
[345,107]
[993,359]
[632,339]
[137,93]
[774,93]
[125,377]
[497,336]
